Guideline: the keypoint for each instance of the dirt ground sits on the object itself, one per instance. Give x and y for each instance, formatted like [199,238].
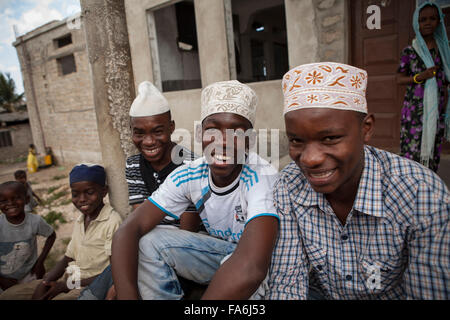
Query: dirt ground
[52,186]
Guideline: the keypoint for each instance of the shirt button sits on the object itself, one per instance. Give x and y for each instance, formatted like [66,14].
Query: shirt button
[348,277]
[344,237]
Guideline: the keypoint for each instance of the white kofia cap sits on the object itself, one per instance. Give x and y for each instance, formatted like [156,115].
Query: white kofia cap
[149,101]
[231,97]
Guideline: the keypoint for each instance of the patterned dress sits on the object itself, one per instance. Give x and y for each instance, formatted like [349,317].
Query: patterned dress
[412,111]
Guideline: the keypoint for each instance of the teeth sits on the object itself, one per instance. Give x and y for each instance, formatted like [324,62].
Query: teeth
[221,157]
[152,150]
[325,174]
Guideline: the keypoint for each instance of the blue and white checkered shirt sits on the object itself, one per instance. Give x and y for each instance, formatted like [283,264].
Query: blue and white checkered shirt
[395,243]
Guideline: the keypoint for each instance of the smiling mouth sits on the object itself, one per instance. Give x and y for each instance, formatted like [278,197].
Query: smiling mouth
[11,210]
[151,151]
[221,158]
[322,175]
[320,178]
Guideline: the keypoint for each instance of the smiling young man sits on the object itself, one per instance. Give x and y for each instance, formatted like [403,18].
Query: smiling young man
[356,222]
[151,128]
[232,191]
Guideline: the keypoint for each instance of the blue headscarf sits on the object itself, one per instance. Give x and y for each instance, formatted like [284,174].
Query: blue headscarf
[431,97]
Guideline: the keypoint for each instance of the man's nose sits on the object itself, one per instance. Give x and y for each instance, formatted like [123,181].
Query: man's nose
[312,156]
[148,139]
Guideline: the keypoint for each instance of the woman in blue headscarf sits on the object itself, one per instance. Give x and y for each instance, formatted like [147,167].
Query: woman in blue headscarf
[425,69]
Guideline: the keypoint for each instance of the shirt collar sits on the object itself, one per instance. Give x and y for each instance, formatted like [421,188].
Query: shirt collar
[369,199]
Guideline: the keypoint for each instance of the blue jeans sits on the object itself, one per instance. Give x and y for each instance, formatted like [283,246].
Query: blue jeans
[98,288]
[165,253]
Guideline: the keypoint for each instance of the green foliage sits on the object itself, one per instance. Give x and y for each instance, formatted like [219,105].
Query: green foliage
[59,177]
[53,197]
[8,96]
[19,159]
[66,202]
[51,189]
[54,218]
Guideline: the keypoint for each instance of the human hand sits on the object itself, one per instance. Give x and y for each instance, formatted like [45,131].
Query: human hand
[111,295]
[427,74]
[53,288]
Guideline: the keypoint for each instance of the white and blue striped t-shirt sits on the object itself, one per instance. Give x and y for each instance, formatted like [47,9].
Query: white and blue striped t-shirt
[224,211]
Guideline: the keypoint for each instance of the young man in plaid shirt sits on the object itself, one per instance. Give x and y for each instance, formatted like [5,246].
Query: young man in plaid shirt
[356,222]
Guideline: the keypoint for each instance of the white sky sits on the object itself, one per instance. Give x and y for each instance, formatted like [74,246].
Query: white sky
[27,15]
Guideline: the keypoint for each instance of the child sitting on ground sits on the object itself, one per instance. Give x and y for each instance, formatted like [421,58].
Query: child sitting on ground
[21,176]
[90,247]
[19,261]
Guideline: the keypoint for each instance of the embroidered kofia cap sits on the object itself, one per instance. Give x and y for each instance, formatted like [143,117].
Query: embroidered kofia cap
[229,96]
[149,101]
[325,85]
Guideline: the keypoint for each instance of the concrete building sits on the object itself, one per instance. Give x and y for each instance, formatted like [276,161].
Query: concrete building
[57,84]
[185,45]
[15,135]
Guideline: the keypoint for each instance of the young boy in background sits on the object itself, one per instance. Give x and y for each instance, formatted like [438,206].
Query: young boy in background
[90,247]
[19,261]
[21,176]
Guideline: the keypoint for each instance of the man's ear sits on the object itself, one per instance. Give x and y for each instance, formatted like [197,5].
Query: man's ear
[105,191]
[198,133]
[368,127]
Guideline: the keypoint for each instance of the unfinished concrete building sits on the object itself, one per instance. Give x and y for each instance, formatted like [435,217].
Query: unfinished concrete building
[57,82]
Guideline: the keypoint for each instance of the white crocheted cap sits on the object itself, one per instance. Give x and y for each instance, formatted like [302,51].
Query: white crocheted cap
[229,96]
[149,101]
[325,85]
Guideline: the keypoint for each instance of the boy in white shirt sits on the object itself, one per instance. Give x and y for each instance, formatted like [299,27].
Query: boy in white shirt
[232,191]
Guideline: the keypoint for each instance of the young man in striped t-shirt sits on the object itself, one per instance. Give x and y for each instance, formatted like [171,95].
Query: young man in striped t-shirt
[143,180]
[151,126]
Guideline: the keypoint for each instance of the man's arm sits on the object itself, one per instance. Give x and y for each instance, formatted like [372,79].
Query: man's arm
[38,267]
[125,247]
[190,221]
[240,276]
[49,287]
[5,283]
[36,196]
[289,270]
[427,275]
